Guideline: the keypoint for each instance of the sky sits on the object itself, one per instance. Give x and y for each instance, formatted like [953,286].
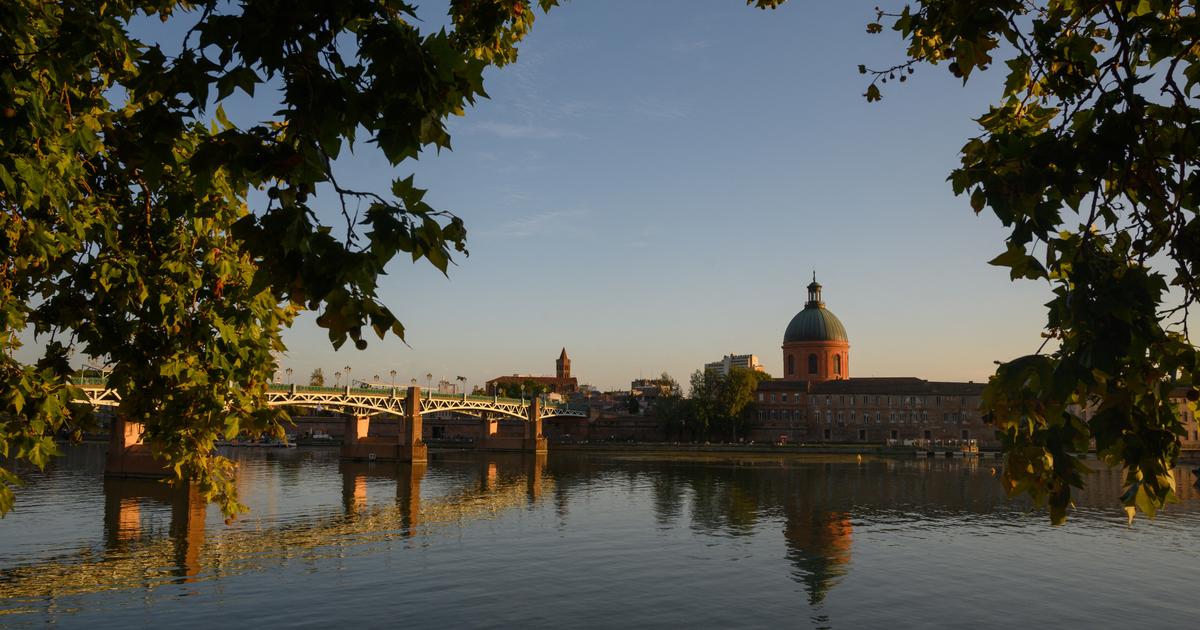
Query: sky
[653,184]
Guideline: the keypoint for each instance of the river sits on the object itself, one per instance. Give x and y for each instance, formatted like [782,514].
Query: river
[589,540]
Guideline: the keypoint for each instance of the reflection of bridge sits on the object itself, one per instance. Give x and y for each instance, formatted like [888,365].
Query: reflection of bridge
[129,457]
[138,555]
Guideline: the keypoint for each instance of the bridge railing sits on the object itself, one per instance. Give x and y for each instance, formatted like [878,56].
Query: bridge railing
[94,381]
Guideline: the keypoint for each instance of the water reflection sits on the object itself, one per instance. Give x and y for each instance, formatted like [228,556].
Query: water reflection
[406,478]
[123,526]
[312,507]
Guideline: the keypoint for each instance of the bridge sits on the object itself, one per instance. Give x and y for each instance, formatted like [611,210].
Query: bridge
[128,456]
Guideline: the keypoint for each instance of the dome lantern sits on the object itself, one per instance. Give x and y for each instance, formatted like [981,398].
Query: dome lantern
[814,294]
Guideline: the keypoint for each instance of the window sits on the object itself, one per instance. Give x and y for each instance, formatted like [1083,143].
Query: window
[784,394]
[791,364]
[862,435]
[966,434]
[760,396]
[895,434]
[827,434]
[812,364]
[837,364]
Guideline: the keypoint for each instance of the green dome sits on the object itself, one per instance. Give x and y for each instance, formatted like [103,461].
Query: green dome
[815,323]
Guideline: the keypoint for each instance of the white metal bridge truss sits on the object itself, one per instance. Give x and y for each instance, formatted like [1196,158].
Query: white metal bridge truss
[372,401]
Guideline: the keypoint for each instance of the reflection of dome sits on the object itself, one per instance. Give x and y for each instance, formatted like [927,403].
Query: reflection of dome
[819,547]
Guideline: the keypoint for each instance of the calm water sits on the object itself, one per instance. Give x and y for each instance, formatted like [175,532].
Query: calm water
[487,540]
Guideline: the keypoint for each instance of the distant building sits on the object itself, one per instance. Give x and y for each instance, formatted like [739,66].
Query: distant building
[561,383]
[650,387]
[730,361]
[818,401]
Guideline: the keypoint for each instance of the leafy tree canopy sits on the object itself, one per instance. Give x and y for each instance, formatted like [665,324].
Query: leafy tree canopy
[1089,157]
[127,229]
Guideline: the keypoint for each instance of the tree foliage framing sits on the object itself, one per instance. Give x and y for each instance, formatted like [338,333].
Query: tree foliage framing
[126,230]
[1090,159]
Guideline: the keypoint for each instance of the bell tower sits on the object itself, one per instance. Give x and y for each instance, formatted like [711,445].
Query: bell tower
[563,365]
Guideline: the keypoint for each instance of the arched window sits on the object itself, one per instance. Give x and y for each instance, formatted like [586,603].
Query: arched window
[812,364]
[791,364]
[837,364]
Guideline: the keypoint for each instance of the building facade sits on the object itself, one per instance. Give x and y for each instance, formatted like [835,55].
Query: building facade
[816,400]
[730,361]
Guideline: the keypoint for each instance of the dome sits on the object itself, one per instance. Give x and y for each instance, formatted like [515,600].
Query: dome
[815,323]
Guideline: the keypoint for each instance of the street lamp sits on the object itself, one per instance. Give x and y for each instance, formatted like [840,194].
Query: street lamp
[393,373]
[349,382]
[338,379]
[289,373]
[429,379]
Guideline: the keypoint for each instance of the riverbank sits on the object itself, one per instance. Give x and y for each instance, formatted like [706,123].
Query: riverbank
[799,450]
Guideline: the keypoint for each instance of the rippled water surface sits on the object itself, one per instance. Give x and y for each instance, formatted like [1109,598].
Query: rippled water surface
[589,540]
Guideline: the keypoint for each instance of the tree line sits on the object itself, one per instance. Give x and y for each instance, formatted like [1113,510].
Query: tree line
[718,406]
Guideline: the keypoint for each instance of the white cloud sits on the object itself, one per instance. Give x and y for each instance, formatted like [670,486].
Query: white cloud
[537,224]
[525,132]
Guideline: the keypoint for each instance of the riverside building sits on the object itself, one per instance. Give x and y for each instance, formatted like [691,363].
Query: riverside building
[818,401]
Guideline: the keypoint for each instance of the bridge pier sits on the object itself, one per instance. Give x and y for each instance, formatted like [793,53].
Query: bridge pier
[357,444]
[488,426]
[531,442]
[127,456]
[534,441]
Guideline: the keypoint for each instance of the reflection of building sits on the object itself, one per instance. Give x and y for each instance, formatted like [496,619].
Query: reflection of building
[730,361]
[818,546]
[561,383]
[816,400]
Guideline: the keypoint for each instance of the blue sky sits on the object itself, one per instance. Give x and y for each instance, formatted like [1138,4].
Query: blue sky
[652,185]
